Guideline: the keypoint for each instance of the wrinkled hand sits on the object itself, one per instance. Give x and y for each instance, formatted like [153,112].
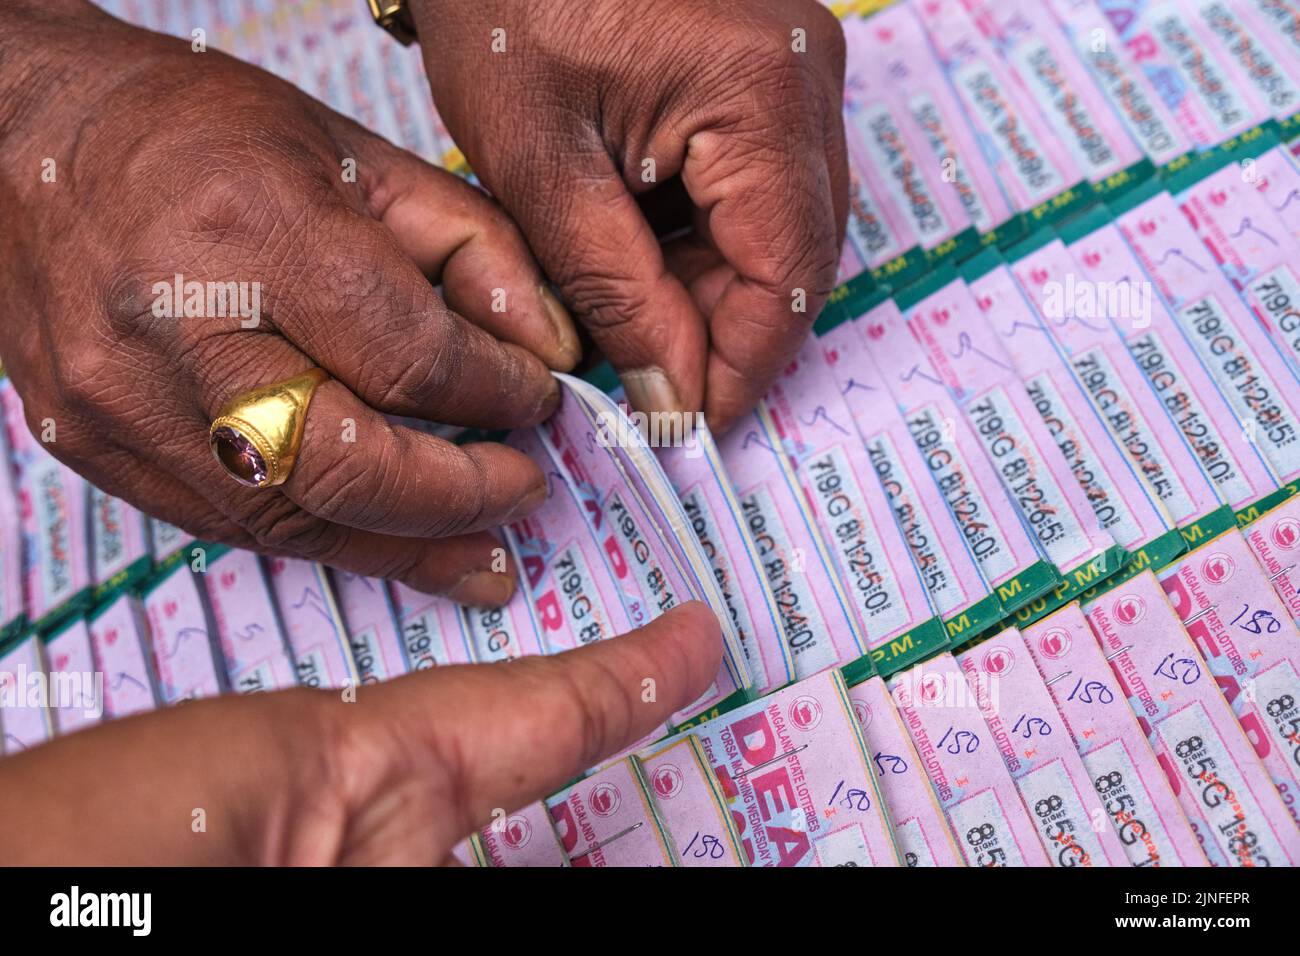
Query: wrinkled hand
[154,161]
[399,776]
[563,106]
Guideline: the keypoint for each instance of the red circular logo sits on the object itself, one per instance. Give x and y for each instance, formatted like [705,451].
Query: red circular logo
[667,781]
[805,712]
[605,799]
[998,660]
[1218,567]
[863,712]
[1129,609]
[1286,533]
[517,833]
[931,688]
[1055,643]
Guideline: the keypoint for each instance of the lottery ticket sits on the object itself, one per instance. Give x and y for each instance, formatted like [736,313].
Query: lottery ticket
[795,771]
[119,541]
[186,660]
[1029,160]
[1223,788]
[947,566]
[1024,725]
[502,633]
[166,540]
[810,421]
[53,502]
[1251,645]
[1041,58]
[1253,47]
[12,610]
[1125,85]
[373,631]
[920,829]
[248,628]
[607,820]
[1277,22]
[688,801]
[1008,554]
[1275,538]
[522,838]
[1124,771]
[432,631]
[24,711]
[1202,87]
[1253,247]
[984,809]
[76,685]
[1236,351]
[313,626]
[714,515]
[1277,176]
[817,621]
[1190,397]
[119,640]
[1007,416]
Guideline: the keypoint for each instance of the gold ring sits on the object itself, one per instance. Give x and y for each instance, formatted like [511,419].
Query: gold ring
[256,435]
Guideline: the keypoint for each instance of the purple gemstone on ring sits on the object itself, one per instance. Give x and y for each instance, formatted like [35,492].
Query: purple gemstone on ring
[239,457]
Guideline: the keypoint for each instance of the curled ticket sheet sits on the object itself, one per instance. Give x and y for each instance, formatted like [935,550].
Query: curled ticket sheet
[248,628]
[76,686]
[186,659]
[1128,778]
[983,806]
[1023,723]
[24,710]
[119,638]
[1251,645]
[1224,788]
[795,771]
[688,800]
[313,626]
[373,632]
[920,829]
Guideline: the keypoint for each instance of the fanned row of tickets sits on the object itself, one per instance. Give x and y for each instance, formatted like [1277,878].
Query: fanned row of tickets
[1004,560]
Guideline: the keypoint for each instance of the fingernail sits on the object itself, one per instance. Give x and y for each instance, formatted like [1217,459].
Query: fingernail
[649,390]
[483,589]
[530,502]
[567,347]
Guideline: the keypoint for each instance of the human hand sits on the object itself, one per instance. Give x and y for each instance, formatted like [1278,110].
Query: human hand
[129,159]
[563,107]
[398,776]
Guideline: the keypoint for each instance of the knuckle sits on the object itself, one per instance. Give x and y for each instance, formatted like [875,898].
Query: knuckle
[281,527]
[228,201]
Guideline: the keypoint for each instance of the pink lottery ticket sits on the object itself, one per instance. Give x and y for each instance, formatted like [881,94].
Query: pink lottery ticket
[920,829]
[795,770]
[119,639]
[1124,771]
[1040,57]
[248,628]
[564,568]
[895,42]
[1253,247]
[76,684]
[1127,89]
[24,714]
[1126,504]
[501,633]
[1262,389]
[811,422]
[1274,537]
[1080,323]
[53,502]
[994,532]
[688,801]
[947,566]
[1280,19]
[1278,178]
[607,820]
[1031,163]
[1035,744]
[1207,93]
[522,838]
[432,635]
[1239,470]
[715,517]
[1223,788]
[1252,646]
[373,632]
[1257,51]
[983,806]
[1006,415]
[313,626]
[186,659]
[119,539]
[817,621]
[12,607]
[887,145]
[166,539]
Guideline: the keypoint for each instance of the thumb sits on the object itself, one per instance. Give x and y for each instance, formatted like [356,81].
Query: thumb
[507,735]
